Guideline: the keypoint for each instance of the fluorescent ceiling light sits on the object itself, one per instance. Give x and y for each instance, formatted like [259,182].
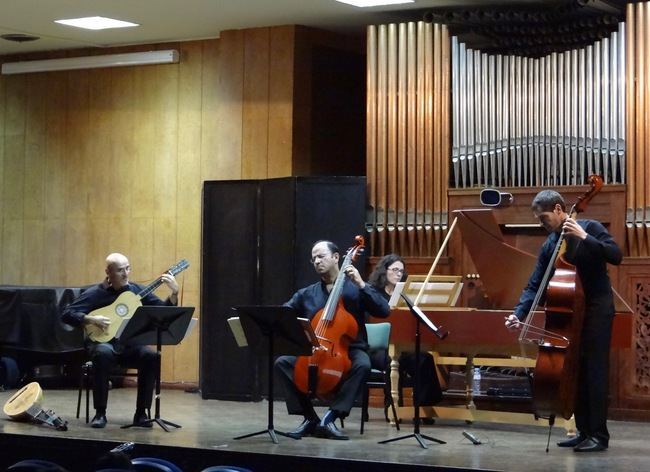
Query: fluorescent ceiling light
[96,23]
[169,56]
[373,3]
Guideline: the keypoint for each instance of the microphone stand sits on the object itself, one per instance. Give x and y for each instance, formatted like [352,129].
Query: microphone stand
[419,316]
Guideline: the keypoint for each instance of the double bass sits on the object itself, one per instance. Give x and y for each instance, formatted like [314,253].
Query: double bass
[555,379]
[320,373]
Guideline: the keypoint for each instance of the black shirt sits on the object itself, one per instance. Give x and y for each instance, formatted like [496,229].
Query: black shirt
[590,256]
[358,302]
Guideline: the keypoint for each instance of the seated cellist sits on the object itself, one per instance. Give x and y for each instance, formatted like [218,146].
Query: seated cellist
[359,299]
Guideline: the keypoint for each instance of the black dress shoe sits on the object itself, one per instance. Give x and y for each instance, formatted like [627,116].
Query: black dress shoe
[98,421]
[330,431]
[590,445]
[306,428]
[573,442]
[142,420]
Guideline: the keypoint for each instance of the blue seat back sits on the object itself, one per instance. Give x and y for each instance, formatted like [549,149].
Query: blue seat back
[154,464]
[226,468]
[36,465]
[378,335]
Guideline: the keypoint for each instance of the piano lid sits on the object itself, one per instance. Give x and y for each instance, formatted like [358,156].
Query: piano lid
[503,268]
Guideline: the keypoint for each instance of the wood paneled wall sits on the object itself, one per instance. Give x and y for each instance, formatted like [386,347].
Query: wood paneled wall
[107,160]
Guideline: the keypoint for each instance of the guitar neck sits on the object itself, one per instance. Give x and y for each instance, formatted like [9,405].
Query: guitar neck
[150,288]
[179,267]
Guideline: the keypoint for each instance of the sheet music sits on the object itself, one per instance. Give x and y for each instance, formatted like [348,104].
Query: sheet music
[120,330]
[309,331]
[395,297]
[237,331]
[425,319]
[190,327]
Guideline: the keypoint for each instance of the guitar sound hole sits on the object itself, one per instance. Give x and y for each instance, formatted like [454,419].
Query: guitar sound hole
[121,309]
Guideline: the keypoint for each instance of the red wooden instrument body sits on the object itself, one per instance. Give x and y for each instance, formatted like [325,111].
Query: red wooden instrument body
[321,373]
[556,368]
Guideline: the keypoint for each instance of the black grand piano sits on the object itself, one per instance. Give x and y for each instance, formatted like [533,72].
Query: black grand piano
[31,333]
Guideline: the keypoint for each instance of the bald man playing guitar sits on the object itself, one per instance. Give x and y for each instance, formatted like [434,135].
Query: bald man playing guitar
[118,297]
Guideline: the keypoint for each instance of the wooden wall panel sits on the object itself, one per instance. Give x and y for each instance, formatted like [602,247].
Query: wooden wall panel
[96,161]
[256,103]
[280,117]
[34,250]
[54,257]
[12,249]
[165,152]
[77,137]
[123,123]
[145,131]
[55,151]
[223,89]
[183,357]
[107,160]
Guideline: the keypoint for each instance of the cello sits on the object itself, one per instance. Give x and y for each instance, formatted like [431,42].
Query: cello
[555,378]
[320,373]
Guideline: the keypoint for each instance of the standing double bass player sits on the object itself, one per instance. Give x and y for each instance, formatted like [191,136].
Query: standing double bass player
[589,248]
[359,299]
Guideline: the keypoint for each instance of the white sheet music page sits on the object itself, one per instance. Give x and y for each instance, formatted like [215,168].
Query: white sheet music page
[395,297]
[425,319]
[237,331]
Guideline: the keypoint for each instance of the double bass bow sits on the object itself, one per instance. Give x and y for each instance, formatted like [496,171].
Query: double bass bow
[555,378]
[320,373]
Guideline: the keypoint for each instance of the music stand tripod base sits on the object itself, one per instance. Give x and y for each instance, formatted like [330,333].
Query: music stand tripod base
[419,437]
[273,330]
[159,325]
[416,402]
[159,421]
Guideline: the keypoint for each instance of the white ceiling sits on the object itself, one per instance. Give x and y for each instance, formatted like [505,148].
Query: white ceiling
[174,20]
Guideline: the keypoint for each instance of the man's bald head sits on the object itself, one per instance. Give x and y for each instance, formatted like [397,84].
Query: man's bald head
[117,270]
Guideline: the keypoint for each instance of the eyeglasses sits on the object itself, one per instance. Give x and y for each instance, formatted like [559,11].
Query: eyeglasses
[396,270]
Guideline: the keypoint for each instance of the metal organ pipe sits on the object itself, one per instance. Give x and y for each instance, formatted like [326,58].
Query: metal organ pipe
[547,121]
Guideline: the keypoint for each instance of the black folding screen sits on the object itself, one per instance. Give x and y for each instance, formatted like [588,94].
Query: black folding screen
[256,242]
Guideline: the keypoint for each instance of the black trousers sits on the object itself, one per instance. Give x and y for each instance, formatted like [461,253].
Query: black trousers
[299,404]
[428,388]
[107,355]
[593,374]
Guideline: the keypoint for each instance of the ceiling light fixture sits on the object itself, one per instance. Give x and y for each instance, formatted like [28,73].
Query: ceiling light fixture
[96,23]
[373,3]
[169,56]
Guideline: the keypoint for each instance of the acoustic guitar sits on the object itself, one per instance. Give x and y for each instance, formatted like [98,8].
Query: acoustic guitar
[124,306]
[24,405]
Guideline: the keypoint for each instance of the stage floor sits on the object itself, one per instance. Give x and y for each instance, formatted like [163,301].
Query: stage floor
[212,424]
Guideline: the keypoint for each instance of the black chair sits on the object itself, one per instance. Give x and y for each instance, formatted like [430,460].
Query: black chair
[378,341]
[86,379]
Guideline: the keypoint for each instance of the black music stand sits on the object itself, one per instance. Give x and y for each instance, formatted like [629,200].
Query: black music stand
[275,330]
[159,325]
[419,318]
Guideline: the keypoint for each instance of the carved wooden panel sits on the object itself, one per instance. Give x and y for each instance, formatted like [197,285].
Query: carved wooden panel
[642,336]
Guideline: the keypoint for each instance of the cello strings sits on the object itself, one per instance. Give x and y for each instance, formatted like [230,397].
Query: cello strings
[537,330]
